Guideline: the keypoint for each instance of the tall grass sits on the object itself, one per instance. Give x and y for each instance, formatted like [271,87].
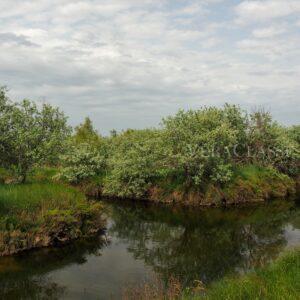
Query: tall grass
[40,214]
[280,280]
[35,196]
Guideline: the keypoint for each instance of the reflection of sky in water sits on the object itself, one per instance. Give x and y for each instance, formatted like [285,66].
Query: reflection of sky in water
[103,275]
[292,236]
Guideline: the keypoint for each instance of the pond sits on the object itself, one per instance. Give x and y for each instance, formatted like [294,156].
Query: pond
[150,240]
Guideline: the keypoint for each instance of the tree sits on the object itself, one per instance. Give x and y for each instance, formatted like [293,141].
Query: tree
[294,133]
[85,133]
[200,141]
[272,144]
[30,136]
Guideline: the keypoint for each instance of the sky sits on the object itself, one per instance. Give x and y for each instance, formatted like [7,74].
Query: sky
[128,63]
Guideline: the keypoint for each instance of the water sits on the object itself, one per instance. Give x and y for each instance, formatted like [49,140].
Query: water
[189,244]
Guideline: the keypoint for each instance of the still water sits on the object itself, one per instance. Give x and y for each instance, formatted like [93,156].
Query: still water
[149,240]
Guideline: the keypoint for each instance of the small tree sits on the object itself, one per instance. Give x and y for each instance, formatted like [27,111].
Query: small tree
[30,136]
[85,133]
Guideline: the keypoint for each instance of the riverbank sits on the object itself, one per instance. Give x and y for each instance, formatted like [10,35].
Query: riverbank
[38,215]
[250,184]
[45,212]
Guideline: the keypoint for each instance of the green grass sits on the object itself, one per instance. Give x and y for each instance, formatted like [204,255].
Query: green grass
[280,280]
[36,196]
[32,212]
[43,174]
[253,183]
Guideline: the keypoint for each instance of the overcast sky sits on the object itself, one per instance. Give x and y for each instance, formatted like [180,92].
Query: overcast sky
[127,63]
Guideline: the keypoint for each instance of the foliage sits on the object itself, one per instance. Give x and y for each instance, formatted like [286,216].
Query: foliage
[85,133]
[270,144]
[82,161]
[193,149]
[200,141]
[294,133]
[30,136]
[137,160]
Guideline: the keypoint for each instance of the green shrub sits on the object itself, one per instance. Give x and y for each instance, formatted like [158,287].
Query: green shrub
[82,162]
[136,162]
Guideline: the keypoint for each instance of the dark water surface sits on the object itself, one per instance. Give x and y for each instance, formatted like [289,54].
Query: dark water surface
[189,244]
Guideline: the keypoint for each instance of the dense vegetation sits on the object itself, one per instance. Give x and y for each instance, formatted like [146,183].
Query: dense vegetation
[40,213]
[208,156]
[29,136]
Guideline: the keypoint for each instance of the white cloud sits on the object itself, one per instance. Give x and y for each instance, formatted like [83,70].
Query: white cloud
[262,11]
[268,32]
[271,48]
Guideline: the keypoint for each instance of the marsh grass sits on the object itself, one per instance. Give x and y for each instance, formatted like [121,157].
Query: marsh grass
[43,174]
[37,196]
[280,280]
[26,206]
[41,214]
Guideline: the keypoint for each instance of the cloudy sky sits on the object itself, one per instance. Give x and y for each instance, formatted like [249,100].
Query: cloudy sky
[127,63]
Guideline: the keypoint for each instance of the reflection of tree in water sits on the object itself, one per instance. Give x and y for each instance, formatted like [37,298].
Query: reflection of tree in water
[205,244]
[33,288]
[25,276]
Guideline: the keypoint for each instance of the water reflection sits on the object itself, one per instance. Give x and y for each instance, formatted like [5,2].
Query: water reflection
[186,243]
[205,244]
[25,276]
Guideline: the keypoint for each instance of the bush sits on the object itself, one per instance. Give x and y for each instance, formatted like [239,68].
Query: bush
[137,160]
[82,162]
